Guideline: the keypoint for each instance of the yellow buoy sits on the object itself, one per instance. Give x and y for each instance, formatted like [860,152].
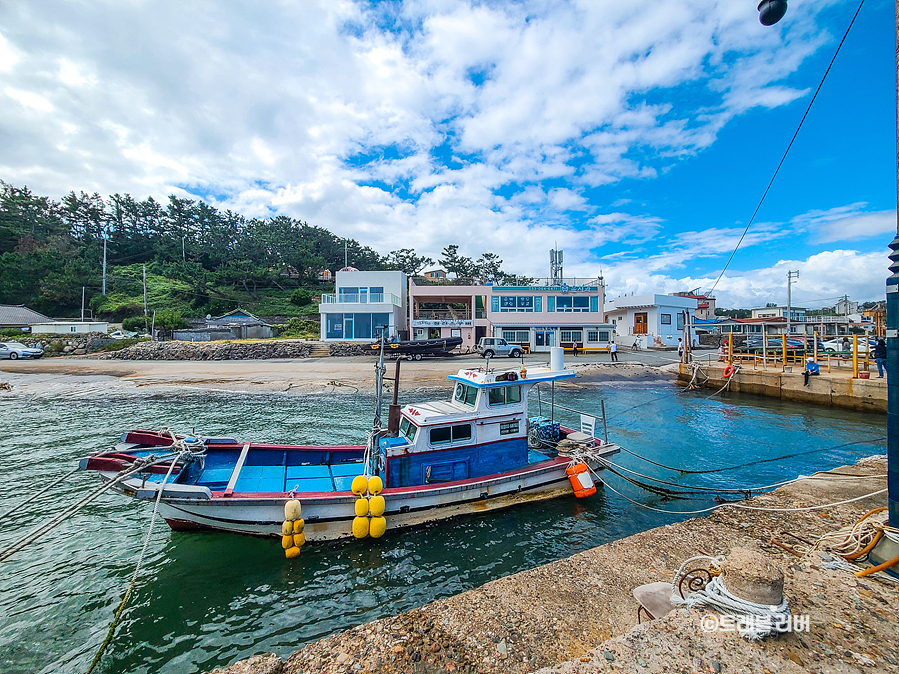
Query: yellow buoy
[376,505]
[361,507]
[377,527]
[286,542]
[359,485]
[290,553]
[299,540]
[375,484]
[299,526]
[292,510]
[287,528]
[360,527]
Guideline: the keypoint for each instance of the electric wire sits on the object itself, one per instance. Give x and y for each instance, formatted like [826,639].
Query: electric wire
[782,159]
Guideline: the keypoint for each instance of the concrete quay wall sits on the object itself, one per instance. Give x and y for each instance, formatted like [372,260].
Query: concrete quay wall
[837,389]
[577,615]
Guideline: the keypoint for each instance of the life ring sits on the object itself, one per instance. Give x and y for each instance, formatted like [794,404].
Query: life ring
[729,372]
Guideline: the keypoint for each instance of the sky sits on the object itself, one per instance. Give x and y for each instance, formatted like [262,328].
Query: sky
[636,136]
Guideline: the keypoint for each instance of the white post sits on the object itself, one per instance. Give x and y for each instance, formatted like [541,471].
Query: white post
[82,304]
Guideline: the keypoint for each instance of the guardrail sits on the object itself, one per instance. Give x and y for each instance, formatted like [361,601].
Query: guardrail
[361,298]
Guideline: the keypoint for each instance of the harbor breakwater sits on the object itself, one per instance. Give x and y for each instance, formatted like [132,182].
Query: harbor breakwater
[838,389]
[578,614]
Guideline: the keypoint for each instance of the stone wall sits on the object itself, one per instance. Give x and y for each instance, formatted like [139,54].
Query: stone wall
[77,344]
[286,348]
[350,349]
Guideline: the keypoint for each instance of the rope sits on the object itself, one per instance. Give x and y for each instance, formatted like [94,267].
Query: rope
[782,159]
[751,463]
[140,560]
[744,507]
[35,533]
[769,619]
[36,495]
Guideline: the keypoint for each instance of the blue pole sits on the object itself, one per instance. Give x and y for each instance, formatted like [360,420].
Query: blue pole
[892,335]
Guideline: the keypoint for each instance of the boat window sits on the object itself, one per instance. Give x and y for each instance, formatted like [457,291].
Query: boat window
[408,430]
[465,394]
[440,435]
[504,395]
[446,434]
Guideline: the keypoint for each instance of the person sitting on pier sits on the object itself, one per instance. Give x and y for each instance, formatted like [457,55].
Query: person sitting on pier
[811,368]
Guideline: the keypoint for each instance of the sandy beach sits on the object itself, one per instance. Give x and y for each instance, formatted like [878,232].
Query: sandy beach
[303,375]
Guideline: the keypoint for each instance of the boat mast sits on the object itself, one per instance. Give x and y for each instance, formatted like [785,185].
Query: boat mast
[379,381]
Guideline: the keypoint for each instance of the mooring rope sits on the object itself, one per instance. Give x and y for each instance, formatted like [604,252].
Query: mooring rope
[35,533]
[140,560]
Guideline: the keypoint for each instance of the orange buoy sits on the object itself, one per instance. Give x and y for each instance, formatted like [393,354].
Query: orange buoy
[728,371]
[581,482]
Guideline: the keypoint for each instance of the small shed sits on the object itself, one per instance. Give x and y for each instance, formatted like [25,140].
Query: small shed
[237,324]
[69,327]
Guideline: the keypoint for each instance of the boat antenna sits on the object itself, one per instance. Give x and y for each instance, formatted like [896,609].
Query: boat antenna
[379,379]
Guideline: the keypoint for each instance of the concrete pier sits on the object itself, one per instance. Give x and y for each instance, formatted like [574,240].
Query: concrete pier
[837,388]
[578,614]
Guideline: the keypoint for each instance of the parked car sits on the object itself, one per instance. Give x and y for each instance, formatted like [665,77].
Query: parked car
[836,345]
[496,346]
[14,350]
[795,345]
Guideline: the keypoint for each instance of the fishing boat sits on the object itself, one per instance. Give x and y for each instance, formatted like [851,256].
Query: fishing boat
[416,348]
[477,451]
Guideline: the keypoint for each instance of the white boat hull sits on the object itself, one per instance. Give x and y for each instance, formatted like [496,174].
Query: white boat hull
[329,516]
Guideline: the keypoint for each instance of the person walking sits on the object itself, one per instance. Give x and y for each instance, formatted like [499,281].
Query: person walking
[880,356]
[613,351]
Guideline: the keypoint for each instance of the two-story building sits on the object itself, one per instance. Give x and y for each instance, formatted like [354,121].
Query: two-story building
[797,314]
[538,316]
[364,302]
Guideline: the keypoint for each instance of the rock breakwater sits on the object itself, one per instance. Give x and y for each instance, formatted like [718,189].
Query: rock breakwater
[286,348]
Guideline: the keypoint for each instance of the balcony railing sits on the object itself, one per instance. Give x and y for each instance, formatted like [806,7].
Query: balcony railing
[443,314]
[361,298]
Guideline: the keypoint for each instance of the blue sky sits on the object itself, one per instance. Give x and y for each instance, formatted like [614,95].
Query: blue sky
[639,136]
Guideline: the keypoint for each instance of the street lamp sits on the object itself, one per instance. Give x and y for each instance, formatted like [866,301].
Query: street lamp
[772,11]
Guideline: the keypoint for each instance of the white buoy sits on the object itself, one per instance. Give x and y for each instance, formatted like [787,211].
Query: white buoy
[556,358]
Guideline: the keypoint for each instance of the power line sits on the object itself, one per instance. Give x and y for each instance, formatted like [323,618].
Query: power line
[771,182]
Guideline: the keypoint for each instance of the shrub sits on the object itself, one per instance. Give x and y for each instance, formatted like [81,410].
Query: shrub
[136,324]
[301,297]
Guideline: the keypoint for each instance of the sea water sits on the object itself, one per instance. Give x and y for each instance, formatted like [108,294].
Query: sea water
[204,600]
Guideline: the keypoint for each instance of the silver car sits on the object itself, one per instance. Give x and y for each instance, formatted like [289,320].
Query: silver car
[14,350]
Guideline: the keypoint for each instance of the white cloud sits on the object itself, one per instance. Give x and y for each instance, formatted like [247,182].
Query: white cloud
[845,223]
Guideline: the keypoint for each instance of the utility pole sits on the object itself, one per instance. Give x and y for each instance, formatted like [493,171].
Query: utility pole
[82,304]
[145,290]
[104,265]
[790,276]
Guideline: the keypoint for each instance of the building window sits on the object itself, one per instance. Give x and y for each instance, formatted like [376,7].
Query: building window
[753,328]
[567,303]
[592,335]
[516,303]
[571,336]
[355,326]
[666,319]
[508,428]
[680,321]
[73,329]
[538,304]
[494,304]
[517,336]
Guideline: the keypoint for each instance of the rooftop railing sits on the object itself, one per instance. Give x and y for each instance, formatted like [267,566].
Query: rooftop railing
[361,298]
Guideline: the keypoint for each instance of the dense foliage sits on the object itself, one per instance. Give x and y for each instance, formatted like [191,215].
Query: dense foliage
[198,260]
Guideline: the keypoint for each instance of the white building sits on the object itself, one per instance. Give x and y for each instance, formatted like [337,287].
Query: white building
[69,327]
[653,320]
[363,302]
[566,313]
[797,314]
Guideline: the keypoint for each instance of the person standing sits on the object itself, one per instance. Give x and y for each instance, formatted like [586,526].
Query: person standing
[880,356]
[680,349]
[613,351]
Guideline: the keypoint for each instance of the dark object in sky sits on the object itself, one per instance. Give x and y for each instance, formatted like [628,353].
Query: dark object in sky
[772,11]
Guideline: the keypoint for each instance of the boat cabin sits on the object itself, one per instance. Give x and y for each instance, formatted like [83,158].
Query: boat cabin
[482,430]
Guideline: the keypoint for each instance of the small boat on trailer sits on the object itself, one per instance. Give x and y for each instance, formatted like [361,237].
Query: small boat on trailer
[477,451]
